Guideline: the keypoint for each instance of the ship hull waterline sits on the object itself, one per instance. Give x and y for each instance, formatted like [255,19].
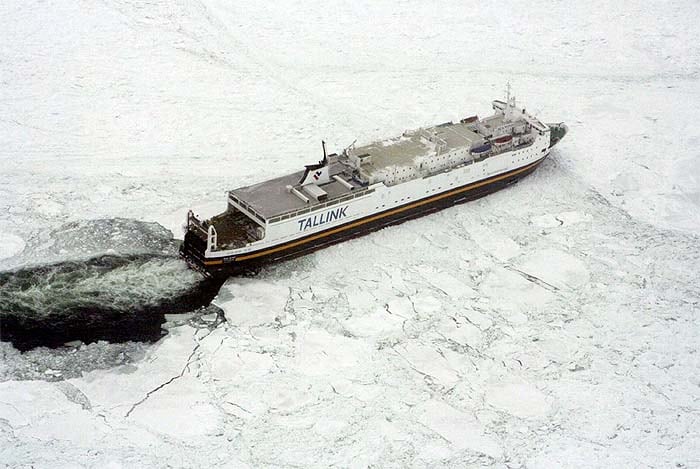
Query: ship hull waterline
[250,263]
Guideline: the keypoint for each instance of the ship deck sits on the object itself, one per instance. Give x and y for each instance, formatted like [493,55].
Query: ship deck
[402,151]
[270,198]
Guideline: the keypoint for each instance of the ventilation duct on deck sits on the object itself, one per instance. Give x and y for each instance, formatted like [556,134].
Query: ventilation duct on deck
[315,192]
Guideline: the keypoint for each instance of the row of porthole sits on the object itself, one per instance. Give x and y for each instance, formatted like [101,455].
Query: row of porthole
[427,192]
[436,190]
[408,198]
[523,158]
[403,199]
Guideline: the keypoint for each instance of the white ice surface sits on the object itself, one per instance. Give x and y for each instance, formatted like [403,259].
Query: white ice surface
[10,245]
[554,324]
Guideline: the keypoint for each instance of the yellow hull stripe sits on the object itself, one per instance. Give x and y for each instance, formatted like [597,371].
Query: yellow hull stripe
[363,221]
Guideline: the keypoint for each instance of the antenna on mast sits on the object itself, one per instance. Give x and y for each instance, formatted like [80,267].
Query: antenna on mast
[510,104]
[345,150]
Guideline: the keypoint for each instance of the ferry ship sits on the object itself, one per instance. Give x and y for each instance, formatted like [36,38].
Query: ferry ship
[365,188]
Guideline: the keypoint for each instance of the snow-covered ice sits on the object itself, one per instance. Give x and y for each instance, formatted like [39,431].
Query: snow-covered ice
[11,245]
[553,324]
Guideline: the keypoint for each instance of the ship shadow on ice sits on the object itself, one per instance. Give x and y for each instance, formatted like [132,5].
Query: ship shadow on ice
[116,297]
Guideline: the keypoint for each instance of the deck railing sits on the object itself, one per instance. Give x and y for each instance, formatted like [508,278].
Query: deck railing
[194,223]
[212,238]
[313,208]
[204,229]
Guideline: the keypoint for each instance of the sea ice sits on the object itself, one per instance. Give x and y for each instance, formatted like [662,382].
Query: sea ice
[10,245]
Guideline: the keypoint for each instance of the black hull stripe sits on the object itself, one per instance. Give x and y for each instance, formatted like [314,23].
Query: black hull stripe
[369,219]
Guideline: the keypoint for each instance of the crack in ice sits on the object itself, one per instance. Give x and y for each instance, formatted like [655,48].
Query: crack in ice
[174,378]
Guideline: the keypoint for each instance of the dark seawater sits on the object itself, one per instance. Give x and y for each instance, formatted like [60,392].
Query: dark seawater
[115,296]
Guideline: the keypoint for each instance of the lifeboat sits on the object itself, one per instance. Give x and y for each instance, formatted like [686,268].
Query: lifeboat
[469,120]
[504,140]
[481,150]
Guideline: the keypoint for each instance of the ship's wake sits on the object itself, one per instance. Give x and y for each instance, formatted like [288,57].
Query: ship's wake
[114,297]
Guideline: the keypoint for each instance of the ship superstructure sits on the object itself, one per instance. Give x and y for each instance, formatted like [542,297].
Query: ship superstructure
[368,187]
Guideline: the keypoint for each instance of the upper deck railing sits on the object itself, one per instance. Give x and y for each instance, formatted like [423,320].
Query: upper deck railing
[312,208]
[247,208]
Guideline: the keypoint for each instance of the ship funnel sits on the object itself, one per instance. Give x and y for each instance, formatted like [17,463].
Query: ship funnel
[317,173]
